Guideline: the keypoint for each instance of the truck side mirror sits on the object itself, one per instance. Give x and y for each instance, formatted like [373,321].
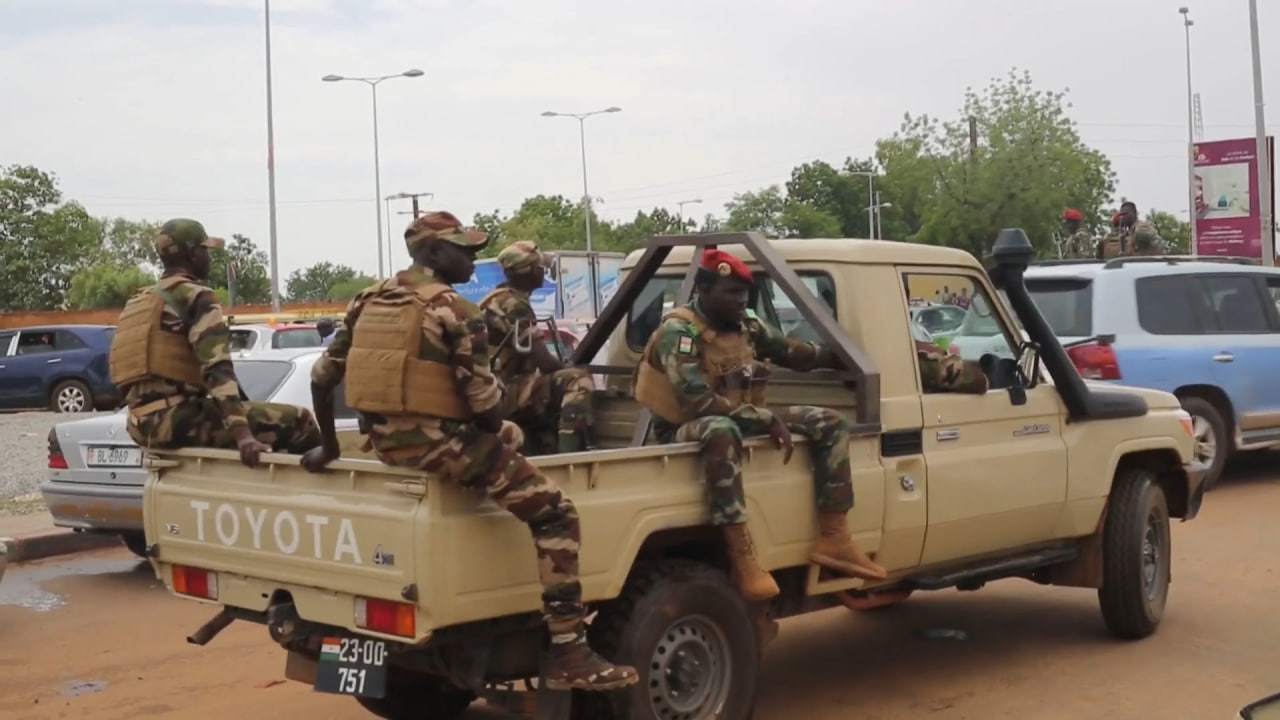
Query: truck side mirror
[1028,365]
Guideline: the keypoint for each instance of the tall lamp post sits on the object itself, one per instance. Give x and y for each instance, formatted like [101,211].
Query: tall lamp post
[871,199]
[271,175]
[874,211]
[372,82]
[680,210]
[582,140]
[1264,166]
[1187,22]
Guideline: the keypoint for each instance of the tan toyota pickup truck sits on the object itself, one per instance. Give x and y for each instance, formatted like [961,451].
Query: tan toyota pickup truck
[417,598]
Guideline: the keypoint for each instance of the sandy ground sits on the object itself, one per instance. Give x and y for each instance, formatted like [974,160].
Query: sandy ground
[95,637]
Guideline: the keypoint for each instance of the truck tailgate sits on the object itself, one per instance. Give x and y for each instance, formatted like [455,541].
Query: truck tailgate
[349,531]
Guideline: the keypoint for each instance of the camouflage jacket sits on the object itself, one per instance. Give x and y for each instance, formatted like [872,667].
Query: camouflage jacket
[453,331]
[512,325]
[1078,244]
[201,321]
[941,372]
[679,352]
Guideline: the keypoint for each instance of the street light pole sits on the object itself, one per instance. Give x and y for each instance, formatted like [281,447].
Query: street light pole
[1187,22]
[271,176]
[416,213]
[871,200]
[874,211]
[582,141]
[372,82]
[1264,166]
[680,210]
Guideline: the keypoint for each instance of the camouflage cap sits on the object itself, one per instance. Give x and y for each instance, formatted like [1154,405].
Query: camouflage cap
[441,225]
[184,233]
[522,256]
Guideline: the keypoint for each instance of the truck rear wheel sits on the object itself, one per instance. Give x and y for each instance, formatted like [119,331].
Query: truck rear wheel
[692,638]
[418,697]
[1137,556]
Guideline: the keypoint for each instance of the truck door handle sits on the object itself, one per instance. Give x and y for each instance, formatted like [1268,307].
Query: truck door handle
[1224,357]
[55,360]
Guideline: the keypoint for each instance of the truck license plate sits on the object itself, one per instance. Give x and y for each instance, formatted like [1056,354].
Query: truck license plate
[352,666]
[103,456]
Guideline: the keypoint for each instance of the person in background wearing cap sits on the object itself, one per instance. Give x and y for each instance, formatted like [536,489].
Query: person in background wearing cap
[325,328]
[541,392]
[171,357]
[702,377]
[415,358]
[1079,242]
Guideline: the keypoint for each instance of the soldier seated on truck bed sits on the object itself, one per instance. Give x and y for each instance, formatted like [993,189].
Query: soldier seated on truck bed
[542,395]
[702,378]
[171,357]
[415,356]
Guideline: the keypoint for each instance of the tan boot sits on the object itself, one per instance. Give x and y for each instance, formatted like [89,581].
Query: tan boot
[753,582]
[836,550]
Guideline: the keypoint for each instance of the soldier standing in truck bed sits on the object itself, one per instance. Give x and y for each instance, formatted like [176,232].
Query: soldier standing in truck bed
[415,357]
[171,357]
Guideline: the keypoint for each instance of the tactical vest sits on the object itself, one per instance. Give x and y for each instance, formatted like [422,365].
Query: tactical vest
[1113,246]
[386,374]
[505,360]
[142,350]
[728,359]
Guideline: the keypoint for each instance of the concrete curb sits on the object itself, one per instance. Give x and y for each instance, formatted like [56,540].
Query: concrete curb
[56,542]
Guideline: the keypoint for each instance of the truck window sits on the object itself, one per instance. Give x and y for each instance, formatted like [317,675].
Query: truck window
[787,318]
[1172,305]
[659,297]
[1237,304]
[982,332]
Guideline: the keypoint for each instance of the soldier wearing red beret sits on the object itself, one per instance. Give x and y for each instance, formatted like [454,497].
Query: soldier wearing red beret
[1078,242]
[704,375]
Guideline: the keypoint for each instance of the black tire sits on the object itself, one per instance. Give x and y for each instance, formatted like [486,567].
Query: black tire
[136,542]
[1198,407]
[418,697]
[685,610]
[1135,582]
[71,396]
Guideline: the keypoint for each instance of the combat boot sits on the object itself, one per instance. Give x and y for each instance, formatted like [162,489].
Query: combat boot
[753,582]
[836,550]
[573,665]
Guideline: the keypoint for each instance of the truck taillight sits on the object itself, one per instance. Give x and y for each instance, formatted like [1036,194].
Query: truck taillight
[1095,362]
[384,616]
[56,460]
[195,582]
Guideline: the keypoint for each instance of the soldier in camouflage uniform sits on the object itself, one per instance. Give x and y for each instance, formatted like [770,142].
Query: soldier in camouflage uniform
[542,394]
[415,358]
[171,357]
[1078,242]
[1116,241]
[702,377]
[1142,237]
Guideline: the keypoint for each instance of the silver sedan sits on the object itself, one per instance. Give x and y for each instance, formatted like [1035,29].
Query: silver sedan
[95,470]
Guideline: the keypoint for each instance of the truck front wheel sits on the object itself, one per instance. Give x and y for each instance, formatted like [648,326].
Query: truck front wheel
[692,638]
[1136,556]
[418,697]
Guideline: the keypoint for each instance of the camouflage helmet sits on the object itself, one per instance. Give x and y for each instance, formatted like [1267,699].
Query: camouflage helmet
[184,234]
[441,226]
[522,256]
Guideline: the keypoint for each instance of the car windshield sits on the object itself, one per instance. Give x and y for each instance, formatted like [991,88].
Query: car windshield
[261,378]
[1065,303]
[296,338]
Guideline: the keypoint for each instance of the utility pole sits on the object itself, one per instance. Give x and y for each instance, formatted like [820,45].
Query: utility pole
[1263,157]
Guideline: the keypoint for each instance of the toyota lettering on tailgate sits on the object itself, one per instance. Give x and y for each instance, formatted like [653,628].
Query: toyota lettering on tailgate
[281,528]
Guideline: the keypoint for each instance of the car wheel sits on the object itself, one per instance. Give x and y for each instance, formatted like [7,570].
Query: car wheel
[688,632]
[1136,556]
[1211,442]
[71,396]
[136,542]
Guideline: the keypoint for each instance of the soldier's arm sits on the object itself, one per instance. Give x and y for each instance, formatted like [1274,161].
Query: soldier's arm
[679,352]
[466,339]
[788,352]
[211,340]
[940,372]
[328,372]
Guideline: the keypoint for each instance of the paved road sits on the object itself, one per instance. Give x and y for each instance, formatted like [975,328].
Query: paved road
[95,637]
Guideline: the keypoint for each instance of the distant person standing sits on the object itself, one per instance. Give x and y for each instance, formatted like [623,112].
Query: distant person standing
[327,331]
[1078,242]
[1140,237]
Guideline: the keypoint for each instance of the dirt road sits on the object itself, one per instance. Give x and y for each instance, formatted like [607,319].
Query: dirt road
[95,637]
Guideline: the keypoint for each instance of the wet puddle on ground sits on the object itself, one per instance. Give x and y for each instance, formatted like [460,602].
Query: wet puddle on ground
[81,687]
[22,586]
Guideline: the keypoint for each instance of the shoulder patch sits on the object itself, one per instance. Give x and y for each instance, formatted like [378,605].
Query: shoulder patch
[684,346]
[751,314]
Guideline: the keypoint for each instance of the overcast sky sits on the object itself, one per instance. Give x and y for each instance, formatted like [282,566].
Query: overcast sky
[156,108]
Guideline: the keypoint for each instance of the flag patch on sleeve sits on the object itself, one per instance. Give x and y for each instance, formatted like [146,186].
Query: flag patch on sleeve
[685,345]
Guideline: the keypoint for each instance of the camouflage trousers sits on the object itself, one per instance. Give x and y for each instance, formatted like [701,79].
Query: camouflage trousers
[721,439]
[198,423]
[492,466]
[554,409]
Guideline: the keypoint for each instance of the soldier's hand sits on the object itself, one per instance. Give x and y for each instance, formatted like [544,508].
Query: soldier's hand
[250,448]
[316,459]
[780,434]
[490,421]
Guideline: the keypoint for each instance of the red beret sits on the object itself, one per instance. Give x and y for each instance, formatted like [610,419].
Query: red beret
[1072,214]
[1115,219]
[725,265]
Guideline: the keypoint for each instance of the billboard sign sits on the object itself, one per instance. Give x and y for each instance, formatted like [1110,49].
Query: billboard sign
[1228,207]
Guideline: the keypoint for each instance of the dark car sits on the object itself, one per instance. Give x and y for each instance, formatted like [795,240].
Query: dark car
[59,367]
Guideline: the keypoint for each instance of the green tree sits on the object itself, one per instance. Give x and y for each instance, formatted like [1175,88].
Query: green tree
[757,211]
[316,283]
[242,260]
[130,242]
[840,194]
[1013,158]
[345,290]
[1174,231]
[631,235]
[107,286]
